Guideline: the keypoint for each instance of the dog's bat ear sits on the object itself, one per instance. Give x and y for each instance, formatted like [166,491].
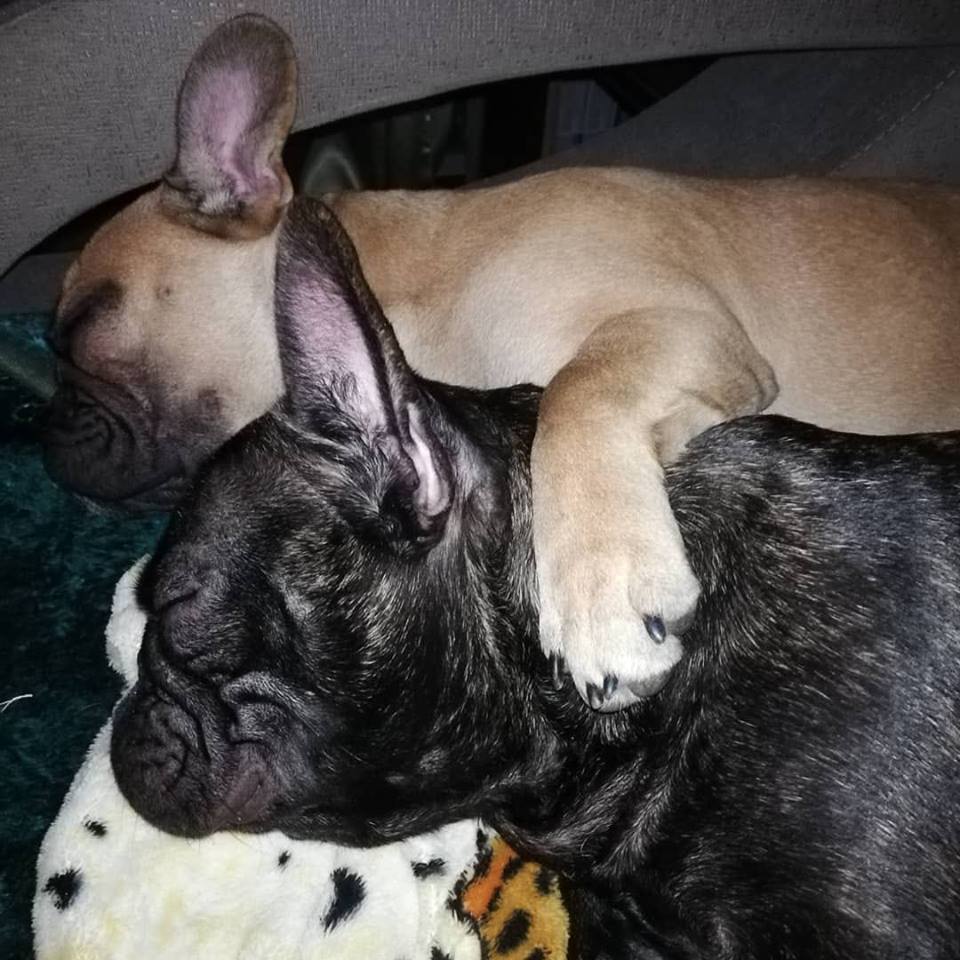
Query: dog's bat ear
[340,357]
[234,112]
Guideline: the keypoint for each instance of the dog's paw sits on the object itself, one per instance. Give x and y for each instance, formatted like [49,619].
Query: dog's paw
[612,617]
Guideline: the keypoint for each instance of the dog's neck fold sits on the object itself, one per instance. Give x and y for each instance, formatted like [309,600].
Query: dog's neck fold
[531,748]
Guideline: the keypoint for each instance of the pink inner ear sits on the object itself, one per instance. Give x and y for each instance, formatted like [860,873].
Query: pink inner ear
[432,495]
[221,135]
[334,347]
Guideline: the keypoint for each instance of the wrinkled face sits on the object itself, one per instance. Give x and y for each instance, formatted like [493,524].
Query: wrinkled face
[313,610]
[165,348]
[290,670]
[164,332]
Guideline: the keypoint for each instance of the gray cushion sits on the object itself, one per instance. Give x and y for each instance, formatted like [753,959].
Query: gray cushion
[88,84]
[890,113]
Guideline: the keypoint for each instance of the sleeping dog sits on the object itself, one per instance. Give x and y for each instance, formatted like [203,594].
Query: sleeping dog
[342,644]
[651,307]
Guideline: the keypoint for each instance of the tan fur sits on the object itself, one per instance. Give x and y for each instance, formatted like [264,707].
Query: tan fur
[849,290]
[197,310]
[652,306]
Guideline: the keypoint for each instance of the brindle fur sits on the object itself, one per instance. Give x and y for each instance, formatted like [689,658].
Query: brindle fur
[319,660]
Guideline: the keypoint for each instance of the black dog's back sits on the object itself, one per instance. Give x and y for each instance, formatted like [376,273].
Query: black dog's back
[819,698]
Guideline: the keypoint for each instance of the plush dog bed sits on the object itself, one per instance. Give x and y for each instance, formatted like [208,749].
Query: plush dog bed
[58,564]
[111,886]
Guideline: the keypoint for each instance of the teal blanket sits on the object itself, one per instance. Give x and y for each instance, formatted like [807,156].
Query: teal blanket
[59,562]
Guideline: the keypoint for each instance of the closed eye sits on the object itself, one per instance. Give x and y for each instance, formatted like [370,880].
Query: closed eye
[105,296]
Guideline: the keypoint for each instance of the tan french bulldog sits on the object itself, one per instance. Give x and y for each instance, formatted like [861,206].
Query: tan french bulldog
[651,306]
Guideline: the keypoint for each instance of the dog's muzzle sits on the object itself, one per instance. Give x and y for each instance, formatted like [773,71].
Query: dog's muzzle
[101,447]
[181,773]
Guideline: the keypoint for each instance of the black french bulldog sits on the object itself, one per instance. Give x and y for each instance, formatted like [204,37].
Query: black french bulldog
[342,644]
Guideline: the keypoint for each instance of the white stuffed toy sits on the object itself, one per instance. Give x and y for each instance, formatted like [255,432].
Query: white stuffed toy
[111,887]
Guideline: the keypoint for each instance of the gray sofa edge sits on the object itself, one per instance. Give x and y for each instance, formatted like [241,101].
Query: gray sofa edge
[90,84]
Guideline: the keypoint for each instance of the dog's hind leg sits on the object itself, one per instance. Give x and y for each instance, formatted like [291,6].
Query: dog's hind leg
[615,585]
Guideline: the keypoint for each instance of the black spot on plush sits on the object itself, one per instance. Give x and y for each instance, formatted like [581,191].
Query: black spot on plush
[493,904]
[536,954]
[483,862]
[513,932]
[64,887]
[513,867]
[283,859]
[431,868]
[545,880]
[95,827]
[348,894]
[437,954]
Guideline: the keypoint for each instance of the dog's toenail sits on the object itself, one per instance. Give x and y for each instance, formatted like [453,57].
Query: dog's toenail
[594,696]
[655,627]
[609,685]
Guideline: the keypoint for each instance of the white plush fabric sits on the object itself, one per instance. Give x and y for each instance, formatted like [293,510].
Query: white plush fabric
[111,887]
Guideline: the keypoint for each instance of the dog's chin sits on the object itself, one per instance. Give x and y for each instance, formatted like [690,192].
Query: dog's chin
[243,801]
[348,828]
[159,495]
[150,493]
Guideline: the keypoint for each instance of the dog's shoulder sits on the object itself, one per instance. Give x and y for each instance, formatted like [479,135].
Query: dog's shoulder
[805,461]
[849,520]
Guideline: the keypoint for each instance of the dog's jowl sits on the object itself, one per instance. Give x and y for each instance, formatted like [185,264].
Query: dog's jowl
[342,644]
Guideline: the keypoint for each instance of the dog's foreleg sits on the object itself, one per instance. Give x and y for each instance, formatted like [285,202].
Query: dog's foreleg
[615,585]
